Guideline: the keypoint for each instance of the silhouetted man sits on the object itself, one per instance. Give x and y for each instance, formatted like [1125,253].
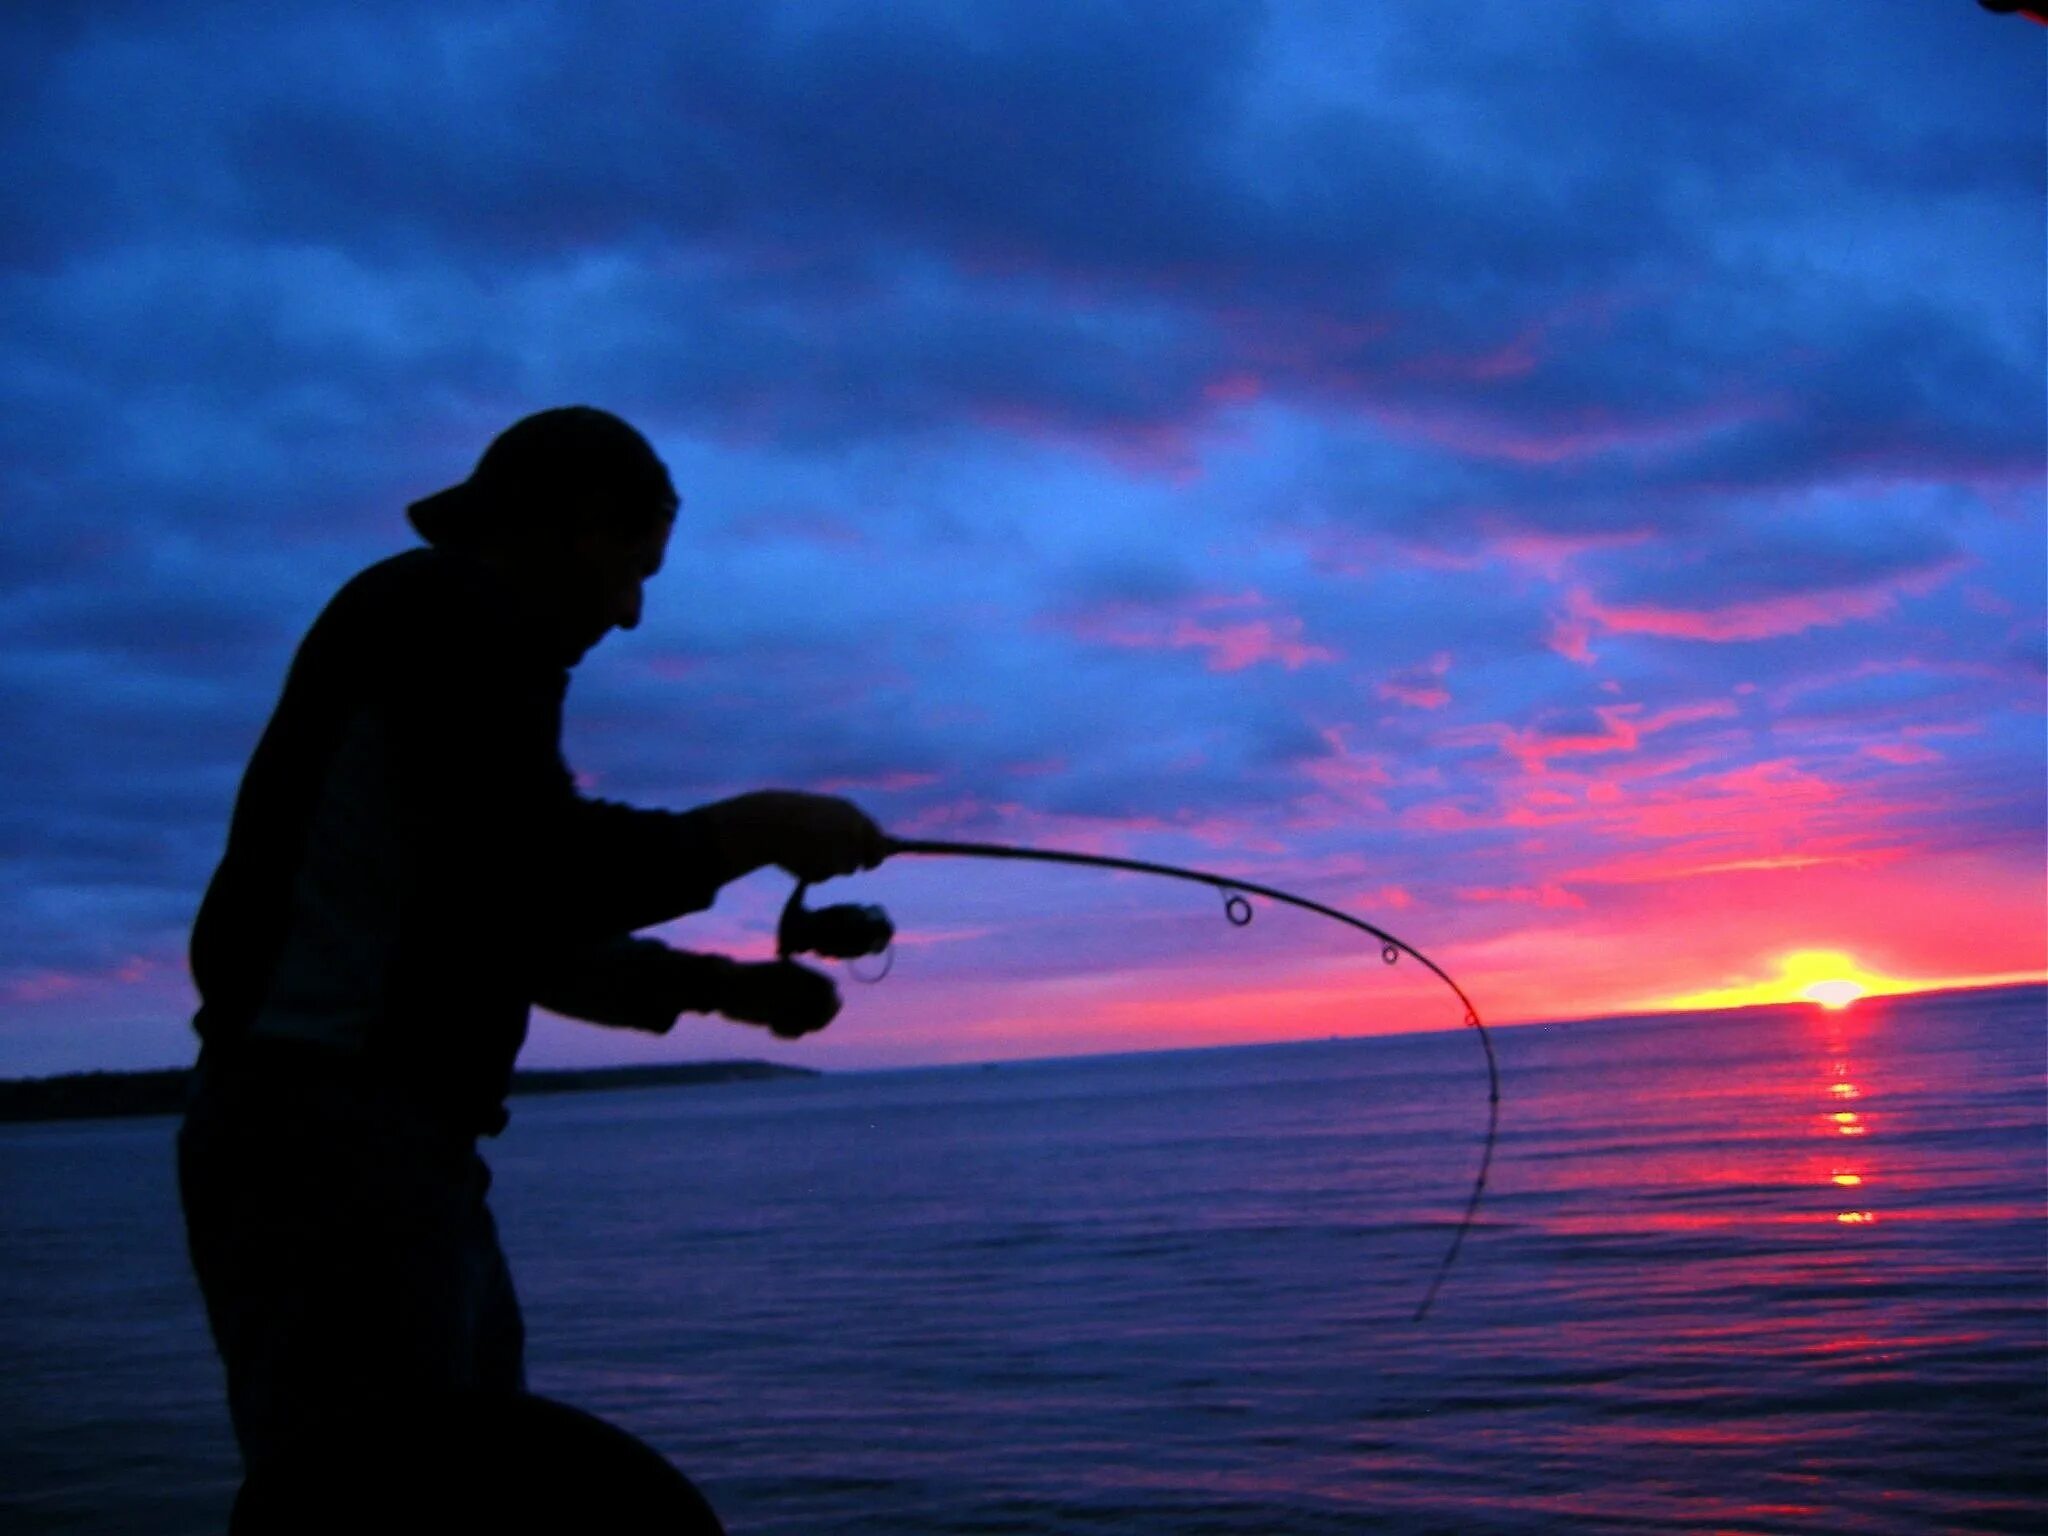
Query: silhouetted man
[409,868]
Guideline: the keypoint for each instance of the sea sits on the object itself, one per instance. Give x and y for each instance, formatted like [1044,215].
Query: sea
[1770,1270]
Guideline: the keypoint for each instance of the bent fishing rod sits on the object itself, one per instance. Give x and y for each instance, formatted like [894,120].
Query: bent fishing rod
[848,932]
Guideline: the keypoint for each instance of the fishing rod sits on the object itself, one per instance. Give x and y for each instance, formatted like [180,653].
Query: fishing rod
[848,932]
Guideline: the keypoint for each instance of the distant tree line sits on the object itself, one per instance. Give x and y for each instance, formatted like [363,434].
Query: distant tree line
[105,1095]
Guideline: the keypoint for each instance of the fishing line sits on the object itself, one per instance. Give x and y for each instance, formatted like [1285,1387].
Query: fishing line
[1237,909]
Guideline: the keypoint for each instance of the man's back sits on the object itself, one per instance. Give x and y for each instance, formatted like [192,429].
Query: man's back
[408,854]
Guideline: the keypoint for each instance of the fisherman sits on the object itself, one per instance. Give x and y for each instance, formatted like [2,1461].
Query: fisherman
[409,867]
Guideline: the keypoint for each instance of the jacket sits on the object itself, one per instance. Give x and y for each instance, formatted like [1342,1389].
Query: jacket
[410,866]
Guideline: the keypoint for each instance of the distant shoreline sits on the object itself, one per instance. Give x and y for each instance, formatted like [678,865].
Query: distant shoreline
[119,1095]
[105,1095]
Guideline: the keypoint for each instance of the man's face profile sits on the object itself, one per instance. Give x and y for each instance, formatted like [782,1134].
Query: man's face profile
[601,585]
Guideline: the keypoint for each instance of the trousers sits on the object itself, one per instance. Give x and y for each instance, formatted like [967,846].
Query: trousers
[364,1312]
[349,1262]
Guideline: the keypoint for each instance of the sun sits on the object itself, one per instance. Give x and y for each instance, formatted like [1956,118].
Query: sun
[1827,976]
[1837,993]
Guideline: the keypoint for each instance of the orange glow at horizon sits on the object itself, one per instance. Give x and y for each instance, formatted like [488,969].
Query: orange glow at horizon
[1828,977]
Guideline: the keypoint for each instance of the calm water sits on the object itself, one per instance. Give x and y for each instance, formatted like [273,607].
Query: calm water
[1776,1271]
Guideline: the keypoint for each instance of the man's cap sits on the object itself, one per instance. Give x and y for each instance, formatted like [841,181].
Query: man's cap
[542,463]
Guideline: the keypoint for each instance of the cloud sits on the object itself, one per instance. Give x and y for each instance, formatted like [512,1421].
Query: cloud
[1601,728]
[1420,687]
[1547,895]
[1209,624]
[1106,431]
[1742,621]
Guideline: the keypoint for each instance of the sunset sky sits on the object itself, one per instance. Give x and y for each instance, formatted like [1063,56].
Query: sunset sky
[1564,482]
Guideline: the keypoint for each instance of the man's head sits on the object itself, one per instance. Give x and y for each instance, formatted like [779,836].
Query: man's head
[575,507]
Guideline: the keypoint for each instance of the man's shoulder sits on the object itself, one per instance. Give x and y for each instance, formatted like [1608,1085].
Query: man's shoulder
[418,596]
[399,607]
[422,613]
[411,576]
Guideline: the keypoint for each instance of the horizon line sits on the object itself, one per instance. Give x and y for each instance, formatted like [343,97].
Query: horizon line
[2034,980]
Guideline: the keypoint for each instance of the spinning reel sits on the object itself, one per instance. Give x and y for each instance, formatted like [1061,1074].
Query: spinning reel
[843,932]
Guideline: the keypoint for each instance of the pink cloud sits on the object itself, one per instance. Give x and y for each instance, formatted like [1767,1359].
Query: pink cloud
[1231,645]
[1548,894]
[1620,730]
[1520,354]
[915,938]
[1163,450]
[41,986]
[1571,636]
[1511,360]
[1596,432]
[1349,781]
[886,782]
[1984,600]
[1233,389]
[973,818]
[1759,619]
[1901,752]
[1773,802]
[1416,697]
[670,667]
[968,813]
[1548,554]
[1654,818]
[1697,859]
[1420,687]
[1345,767]
[1788,694]
[48,985]
[1301,344]
[1036,768]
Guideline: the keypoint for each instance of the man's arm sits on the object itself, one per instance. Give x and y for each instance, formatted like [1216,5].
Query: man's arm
[633,857]
[635,983]
[500,842]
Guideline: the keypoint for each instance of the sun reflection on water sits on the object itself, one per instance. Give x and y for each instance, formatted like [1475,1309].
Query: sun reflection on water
[1844,1122]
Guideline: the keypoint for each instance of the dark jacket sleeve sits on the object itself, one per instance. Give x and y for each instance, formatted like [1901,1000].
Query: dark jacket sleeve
[632,983]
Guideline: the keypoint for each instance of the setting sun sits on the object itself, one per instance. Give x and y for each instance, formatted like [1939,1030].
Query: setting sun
[1838,993]
[1829,977]
[1826,976]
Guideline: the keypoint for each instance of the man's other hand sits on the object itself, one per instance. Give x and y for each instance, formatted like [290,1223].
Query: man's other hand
[791,1000]
[814,837]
